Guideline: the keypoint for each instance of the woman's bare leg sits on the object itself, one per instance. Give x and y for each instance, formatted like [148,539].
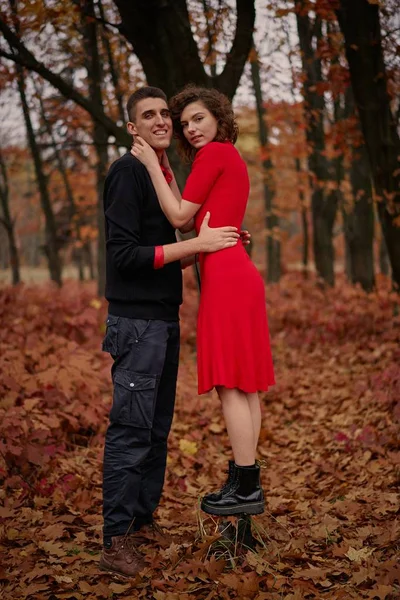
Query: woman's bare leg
[255,410]
[239,423]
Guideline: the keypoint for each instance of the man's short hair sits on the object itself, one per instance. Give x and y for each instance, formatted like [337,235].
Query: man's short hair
[141,94]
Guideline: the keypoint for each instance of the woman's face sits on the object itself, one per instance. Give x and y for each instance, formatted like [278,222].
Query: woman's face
[198,124]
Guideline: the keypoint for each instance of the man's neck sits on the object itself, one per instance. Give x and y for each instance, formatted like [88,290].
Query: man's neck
[159,154]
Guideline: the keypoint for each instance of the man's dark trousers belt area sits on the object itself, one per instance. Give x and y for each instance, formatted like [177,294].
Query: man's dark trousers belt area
[144,373]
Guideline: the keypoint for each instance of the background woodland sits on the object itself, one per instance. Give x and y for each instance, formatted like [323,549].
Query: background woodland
[315,84]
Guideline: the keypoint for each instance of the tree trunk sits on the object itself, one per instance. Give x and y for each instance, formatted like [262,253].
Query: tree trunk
[384,264]
[100,141]
[160,33]
[58,156]
[87,250]
[271,219]
[323,210]
[79,264]
[114,72]
[323,202]
[303,206]
[100,134]
[304,223]
[360,25]
[51,244]
[360,223]
[358,217]
[8,222]
[72,224]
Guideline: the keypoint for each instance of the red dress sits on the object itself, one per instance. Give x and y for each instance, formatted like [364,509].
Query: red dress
[233,347]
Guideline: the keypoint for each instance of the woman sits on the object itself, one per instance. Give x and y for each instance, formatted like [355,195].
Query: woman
[233,350]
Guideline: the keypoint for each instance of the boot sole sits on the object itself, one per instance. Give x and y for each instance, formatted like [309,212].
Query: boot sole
[255,508]
[119,573]
[113,572]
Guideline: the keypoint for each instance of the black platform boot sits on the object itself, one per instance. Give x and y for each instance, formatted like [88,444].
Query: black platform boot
[216,496]
[241,533]
[244,495]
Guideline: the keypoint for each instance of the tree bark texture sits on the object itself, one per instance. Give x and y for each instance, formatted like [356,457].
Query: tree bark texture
[72,223]
[8,223]
[324,203]
[360,25]
[113,67]
[273,244]
[303,205]
[162,39]
[359,220]
[384,264]
[359,223]
[100,134]
[50,248]
[51,243]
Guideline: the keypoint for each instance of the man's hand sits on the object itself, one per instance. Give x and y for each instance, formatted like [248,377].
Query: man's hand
[212,240]
[245,237]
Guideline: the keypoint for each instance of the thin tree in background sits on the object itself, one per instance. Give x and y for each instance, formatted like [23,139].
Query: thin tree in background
[160,33]
[50,246]
[8,222]
[299,170]
[350,163]
[113,66]
[359,21]
[71,214]
[273,244]
[324,200]
[359,221]
[94,67]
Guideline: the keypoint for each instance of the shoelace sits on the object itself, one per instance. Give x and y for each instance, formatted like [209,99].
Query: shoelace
[128,543]
[157,529]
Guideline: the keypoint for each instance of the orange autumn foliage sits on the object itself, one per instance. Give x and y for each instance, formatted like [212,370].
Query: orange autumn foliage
[329,445]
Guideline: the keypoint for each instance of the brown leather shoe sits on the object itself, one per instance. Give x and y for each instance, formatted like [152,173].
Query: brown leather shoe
[123,557]
[152,533]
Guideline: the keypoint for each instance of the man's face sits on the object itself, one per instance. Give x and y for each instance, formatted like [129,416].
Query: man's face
[152,122]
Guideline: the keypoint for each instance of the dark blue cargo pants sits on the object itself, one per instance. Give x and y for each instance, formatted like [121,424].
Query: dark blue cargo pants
[144,373]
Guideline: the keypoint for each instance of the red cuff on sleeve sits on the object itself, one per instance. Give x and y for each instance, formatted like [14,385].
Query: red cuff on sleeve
[159,257]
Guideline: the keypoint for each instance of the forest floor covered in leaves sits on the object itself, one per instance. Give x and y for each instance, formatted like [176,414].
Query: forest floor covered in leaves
[329,446]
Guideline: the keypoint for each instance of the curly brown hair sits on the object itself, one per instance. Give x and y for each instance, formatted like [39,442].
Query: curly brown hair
[218,105]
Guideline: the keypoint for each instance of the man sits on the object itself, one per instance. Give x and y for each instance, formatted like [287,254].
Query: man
[144,291]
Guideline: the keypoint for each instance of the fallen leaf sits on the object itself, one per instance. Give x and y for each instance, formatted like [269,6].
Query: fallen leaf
[188,447]
[359,555]
[119,588]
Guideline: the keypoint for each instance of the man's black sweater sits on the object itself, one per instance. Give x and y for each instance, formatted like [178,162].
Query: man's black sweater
[135,225]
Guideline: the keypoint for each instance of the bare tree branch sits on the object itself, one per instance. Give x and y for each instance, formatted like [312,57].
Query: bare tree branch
[25,58]
[229,79]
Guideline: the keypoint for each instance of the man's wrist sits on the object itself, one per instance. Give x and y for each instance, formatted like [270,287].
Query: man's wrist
[197,246]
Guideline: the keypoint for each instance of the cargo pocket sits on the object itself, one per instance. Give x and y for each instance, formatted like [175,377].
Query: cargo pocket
[110,341]
[134,399]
